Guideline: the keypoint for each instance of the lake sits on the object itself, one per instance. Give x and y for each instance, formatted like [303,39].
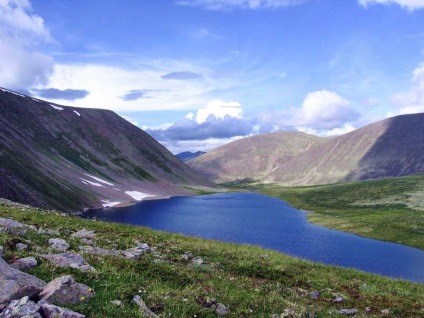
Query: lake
[270,223]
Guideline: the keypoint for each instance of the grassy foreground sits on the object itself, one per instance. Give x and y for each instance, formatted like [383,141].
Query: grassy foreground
[386,209]
[251,281]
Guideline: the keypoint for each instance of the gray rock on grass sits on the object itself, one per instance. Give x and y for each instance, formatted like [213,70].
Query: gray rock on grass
[348,312]
[52,311]
[21,246]
[16,284]
[21,308]
[25,263]
[98,251]
[59,244]
[146,312]
[221,310]
[65,291]
[72,260]
[84,234]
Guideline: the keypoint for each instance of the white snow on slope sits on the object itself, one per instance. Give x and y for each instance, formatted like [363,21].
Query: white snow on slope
[138,195]
[77,113]
[109,204]
[92,183]
[7,91]
[56,107]
[98,179]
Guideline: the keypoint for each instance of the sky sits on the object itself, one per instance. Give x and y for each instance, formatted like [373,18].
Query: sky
[196,74]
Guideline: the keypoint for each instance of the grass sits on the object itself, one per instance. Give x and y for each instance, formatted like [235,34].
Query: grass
[387,209]
[251,281]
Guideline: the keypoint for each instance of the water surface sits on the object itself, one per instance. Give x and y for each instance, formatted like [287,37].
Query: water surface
[271,223]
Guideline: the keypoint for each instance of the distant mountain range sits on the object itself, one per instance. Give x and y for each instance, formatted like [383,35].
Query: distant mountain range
[69,158]
[187,155]
[388,148]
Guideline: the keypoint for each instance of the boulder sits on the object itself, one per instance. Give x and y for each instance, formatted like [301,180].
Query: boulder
[59,244]
[348,312]
[221,310]
[10,223]
[25,263]
[136,252]
[69,260]
[16,284]
[21,246]
[52,311]
[21,308]
[65,291]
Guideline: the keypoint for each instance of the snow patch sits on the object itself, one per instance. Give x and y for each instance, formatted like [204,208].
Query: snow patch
[138,195]
[35,100]
[56,107]
[77,113]
[92,183]
[7,91]
[98,179]
[108,204]
[117,189]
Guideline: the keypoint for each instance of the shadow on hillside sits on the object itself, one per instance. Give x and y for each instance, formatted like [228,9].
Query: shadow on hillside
[398,152]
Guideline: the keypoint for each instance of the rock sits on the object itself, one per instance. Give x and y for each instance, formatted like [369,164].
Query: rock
[21,246]
[16,231]
[84,234]
[198,261]
[136,252]
[10,223]
[187,256]
[315,294]
[99,251]
[65,291]
[16,284]
[52,311]
[145,310]
[338,299]
[72,260]
[59,244]
[385,312]
[348,312]
[221,310]
[20,308]
[117,302]
[25,263]
[86,241]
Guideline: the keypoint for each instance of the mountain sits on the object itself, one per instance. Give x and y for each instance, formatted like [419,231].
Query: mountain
[71,158]
[253,157]
[187,155]
[388,148]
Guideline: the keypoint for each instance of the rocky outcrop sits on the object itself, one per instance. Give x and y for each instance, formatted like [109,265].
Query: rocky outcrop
[72,260]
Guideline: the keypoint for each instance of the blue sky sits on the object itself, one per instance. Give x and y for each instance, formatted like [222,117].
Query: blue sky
[200,73]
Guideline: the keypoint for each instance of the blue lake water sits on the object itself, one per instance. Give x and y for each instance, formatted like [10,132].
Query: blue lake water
[271,223]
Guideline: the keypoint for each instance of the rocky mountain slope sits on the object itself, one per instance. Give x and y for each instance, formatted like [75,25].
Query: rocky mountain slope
[70,158]
[388,148]
[253,157]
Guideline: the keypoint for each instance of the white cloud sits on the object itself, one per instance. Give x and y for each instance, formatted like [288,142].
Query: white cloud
[412,101]
[219,109]
[324,109]
[242,4]
[407,4]
[21,32]
[107,84]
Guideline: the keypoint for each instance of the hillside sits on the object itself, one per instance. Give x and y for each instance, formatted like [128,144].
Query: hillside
[71,158]
[388,148]
[253,157]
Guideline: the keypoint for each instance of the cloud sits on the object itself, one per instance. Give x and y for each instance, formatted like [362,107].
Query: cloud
[183,76]
[218,128]
[138,94]
[21,33]
[325,110]
[239,4]
[66,94]
[411,101]
[407,4]
[219,109]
